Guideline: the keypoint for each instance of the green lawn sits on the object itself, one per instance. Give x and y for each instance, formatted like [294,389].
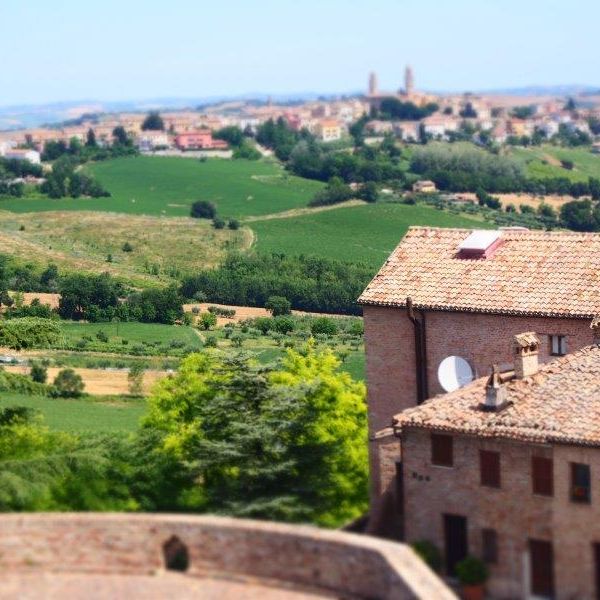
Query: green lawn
[136,333]
[84,414]
[155,185]
[360,233]
[540,162]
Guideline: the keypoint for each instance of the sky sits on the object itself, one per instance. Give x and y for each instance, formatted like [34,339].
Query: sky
[64,50]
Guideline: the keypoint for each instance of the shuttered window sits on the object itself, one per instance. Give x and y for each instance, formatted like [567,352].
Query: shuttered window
[580,483]
[442,451]
[542,475]
[489,468]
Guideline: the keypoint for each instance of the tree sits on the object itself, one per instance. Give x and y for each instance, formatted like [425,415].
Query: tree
[207,321]
[368,192]
[135,378]
[120,136]
[80,292]
[202,209]
[232,134]
[68,384]
[284,442]
[90,141]
[278,305]
[570,104]
[468,112]
[580,215]
[218,223]
[153,122]
[38,372]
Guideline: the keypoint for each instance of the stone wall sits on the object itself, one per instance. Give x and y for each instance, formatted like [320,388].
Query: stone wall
[512,510]
[329,561]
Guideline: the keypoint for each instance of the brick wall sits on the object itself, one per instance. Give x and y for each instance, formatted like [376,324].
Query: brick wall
[331,561]
[481,339]
[513,511]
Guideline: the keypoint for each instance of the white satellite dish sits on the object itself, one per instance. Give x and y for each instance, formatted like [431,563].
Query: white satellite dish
[454,372]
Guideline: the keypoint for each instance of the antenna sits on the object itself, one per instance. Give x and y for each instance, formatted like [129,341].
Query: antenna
[454,372]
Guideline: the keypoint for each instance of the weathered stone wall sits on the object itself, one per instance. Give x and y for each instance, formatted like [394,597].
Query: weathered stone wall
[513,510]
[333,561]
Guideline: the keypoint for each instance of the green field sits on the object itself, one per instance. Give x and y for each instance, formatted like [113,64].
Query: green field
[360,233]
[136,333]
[153,185]
[543,162]
[111,415]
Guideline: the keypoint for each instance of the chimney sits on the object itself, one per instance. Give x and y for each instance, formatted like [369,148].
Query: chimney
[526,347]
[595,327]
[496,396]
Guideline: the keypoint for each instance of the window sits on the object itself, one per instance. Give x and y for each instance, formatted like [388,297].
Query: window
[542,475]
[558,345]
[489,545]
[442,450]
[580,483]
[489,468]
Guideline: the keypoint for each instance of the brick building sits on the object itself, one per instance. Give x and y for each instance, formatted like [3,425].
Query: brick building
[455,298]
[201,139]
[507,468]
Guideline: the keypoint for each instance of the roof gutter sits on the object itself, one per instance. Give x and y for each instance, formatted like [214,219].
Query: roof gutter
[420,351]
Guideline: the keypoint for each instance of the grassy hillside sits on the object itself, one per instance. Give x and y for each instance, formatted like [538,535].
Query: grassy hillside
[93,414]
[544,161]
[168,185]
[366,233]
[163,248]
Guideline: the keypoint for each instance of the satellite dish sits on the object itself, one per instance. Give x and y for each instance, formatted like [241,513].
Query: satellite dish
[454,372]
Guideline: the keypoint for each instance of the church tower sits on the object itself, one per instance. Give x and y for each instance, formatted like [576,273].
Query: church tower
[409,81]
[373,84]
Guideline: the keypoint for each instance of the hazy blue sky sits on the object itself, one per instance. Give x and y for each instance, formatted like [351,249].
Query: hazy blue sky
[131,49]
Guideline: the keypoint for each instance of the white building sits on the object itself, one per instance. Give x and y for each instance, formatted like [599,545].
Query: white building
[150,140]
[33,156]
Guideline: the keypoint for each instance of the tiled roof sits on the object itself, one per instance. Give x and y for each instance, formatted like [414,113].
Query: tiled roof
[530,273]
[559,404]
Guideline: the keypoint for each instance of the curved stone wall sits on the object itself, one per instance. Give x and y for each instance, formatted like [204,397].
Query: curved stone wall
[328,561]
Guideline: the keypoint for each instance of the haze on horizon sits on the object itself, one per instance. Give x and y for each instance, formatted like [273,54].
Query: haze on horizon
[115,50]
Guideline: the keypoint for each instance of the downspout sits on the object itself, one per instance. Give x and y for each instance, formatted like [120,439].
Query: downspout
[420,351]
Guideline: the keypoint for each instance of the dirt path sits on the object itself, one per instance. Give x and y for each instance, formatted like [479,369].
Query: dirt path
[296,212]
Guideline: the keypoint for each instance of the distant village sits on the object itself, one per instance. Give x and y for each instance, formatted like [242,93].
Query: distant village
[493,118]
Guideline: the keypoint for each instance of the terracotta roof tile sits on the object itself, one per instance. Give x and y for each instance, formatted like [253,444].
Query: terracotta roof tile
[529,273]
[559,404]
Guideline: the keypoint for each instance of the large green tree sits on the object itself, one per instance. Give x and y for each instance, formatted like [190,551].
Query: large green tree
[285,442]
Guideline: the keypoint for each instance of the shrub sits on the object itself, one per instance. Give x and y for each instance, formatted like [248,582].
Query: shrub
[263,324]
[357,328]
[29,332]
[68,384]
[430,554]
[471,571]
[284,324]
[210,341]
[127,247]
[324,326]
[278,305]
[233,224]
[101,336]
[38,373]
[207,321]
[218,223]
[201,209]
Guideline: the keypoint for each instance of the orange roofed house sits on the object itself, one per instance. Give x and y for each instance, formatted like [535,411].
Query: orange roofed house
[507,469]
[445,307]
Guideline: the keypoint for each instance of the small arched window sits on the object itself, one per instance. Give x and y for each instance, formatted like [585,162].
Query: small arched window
[175,554]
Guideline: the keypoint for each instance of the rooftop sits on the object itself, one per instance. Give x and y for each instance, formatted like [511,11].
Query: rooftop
[559,404]
[538,273]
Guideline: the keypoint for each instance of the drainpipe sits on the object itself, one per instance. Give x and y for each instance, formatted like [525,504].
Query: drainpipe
[420,351]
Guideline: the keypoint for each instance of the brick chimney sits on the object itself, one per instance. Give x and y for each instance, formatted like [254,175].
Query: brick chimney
[496,396]
[595,327]
[526,347]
